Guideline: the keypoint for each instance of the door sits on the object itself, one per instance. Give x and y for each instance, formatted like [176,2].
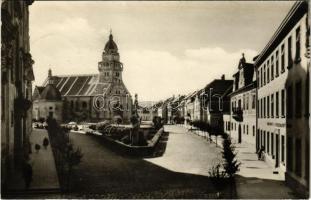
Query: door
[277,151]
[257,140]
[240,134]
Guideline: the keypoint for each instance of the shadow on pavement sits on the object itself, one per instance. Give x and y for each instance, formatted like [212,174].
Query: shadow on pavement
[262,188]
[106,174]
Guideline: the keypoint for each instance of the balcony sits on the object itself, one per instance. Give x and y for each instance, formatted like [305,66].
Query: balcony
[237,114]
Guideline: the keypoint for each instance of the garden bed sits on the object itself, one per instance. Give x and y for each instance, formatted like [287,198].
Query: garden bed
[131,149]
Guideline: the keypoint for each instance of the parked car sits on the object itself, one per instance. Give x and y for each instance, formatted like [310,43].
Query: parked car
[72,125]
[45,125]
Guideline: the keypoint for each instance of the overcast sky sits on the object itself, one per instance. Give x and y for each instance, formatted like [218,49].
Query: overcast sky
[166,47]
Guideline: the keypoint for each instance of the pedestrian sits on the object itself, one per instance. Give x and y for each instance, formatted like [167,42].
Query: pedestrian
[45,142]
[37,147]
[27,174]
[260,152]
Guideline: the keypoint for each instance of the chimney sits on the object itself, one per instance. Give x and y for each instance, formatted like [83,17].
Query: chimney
[223,77]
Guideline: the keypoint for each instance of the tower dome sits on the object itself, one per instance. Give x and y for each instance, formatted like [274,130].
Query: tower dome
[111,46]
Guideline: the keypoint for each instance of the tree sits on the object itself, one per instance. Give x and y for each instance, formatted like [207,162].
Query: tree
[231,164]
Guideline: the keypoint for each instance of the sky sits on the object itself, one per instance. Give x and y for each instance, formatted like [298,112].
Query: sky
[167,48]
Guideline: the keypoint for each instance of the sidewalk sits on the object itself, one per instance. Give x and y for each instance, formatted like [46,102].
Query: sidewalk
[43,164]
[256,179]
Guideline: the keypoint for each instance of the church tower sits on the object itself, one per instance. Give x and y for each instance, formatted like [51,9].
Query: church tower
[110,68]
[118,100]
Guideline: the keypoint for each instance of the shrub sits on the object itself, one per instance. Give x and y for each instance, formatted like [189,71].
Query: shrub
[157,122]
[231,164]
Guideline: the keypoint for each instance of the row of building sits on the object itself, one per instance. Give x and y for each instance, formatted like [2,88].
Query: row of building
[266,104]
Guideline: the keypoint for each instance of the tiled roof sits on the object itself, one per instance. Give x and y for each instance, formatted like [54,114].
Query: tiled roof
[79,85]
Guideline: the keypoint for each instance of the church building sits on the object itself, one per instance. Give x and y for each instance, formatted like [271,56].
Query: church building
[86,97]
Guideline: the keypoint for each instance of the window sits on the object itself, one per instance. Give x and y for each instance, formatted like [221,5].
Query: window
[298,157]
[261,110]
[268,106]
[243,128]
[77,106]
[264,140]
[289,154]
[268,142]
[290,61]
[247,101]
[282,59]
[297,57]
[247,129]
[261,70]
[258,113]
[259,78]
[283,103]
[268,71]
[264,74]
[272,106]
[277,63]
[117,74]
[282,148]
[272,67]
[253,101]
[84,104]
[71,105]
[264,107]
[298,100]
[289,103]
[253,130]
[277,104]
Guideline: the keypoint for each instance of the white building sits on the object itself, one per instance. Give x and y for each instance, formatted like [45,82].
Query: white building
[283,98]
[241,123]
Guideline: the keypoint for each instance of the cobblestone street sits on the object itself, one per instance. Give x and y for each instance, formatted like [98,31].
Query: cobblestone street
[180,172]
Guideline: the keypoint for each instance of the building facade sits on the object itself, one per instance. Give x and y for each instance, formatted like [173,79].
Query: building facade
[216,102]
[94,97]
[283,98]
[47,102]
[241,123]
[16,87]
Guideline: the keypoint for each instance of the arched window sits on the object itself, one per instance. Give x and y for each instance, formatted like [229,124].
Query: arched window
[77,105]
[84,104]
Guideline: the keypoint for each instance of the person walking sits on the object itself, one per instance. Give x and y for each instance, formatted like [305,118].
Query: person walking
[45,142]
[260,152]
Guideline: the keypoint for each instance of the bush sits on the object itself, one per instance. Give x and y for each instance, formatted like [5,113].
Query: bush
[93,127]
[157,122]
[101,126]
[231,164]
[217,176]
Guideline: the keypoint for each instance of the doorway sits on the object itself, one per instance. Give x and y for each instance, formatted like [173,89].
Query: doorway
[240,134]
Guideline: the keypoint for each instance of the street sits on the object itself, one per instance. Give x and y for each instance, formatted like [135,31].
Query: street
[180,172]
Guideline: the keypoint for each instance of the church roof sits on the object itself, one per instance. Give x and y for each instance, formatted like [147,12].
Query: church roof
[50,92]
[111,46]
[79,85]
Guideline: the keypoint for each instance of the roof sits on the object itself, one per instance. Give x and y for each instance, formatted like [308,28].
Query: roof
[50,92]
[111,46]
[218,86]
[77,85]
